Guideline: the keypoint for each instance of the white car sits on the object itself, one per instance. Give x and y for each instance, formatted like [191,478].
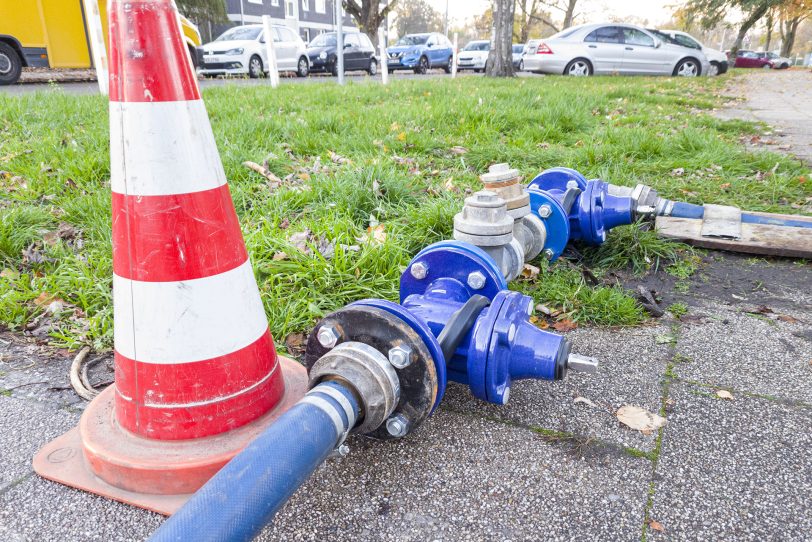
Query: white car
[474,56]
[609,48]
[717,59]
[242,50]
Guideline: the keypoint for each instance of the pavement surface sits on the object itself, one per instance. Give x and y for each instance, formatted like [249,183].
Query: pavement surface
[781,99]
[553,464]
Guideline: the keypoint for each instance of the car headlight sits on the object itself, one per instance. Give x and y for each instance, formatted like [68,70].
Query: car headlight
[323,55]
[237,51]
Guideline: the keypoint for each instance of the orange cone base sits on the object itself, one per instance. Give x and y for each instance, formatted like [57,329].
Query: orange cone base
[160,475]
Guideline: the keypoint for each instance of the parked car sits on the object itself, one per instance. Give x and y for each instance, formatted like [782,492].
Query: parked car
[242,50]
[716,58]
[421,52]
[518,51]
[752,59]
[612,48]
[474,56]
[778,62]
[359,54]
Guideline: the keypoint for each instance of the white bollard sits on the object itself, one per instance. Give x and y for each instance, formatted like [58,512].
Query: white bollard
[384,60]
[339,43]
[273,71]
[96,37]
[454,59]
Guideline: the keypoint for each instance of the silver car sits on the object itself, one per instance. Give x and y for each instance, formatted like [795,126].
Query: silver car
[611,48]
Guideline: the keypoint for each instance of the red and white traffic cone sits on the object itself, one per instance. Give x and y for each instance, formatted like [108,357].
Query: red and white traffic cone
[197,376]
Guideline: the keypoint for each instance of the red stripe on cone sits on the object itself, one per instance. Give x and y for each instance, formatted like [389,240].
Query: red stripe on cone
[149,61]
[155,384]
[178,237]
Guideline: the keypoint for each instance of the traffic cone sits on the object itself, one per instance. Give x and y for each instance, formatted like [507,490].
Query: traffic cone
[197,375]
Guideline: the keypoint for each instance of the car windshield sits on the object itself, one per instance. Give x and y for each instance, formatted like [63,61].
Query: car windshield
[772,55]
[518,49]
[415,39]
[240,33]
[478,46]
[324,40]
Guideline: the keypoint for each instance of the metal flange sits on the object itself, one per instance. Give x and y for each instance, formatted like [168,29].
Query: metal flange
[453,260]
[558,178]
[382,331]
[556,222]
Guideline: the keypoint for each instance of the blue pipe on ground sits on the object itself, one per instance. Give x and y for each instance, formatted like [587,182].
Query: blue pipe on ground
[689,210]
[245,494]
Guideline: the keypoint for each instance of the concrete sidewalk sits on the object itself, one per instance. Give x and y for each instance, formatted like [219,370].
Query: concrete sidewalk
[545,467]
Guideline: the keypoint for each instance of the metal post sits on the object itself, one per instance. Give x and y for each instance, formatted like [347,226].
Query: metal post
[273,70]
[445,30]
[454,60]
[339,42]
[96,37]
[384,59]
[242,14]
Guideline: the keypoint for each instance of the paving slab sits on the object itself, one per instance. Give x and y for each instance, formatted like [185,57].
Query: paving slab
[756,353]
[632,363]
[465,478]
[733,470]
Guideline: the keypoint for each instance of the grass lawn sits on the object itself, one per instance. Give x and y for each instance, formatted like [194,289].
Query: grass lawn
[370,175]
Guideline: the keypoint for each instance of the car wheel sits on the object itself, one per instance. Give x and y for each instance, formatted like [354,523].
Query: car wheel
[334,68]
[687,67]
[422,66]
[10,64]
[449,64]
[521,65]
[303,68]
[580,67]
[714,69]
[391,71]
[373,67]
[767,67]
[255,67]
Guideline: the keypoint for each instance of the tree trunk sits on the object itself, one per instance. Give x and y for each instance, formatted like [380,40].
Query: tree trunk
[769,30]
[747,25]
[500,57]
[569,14]
[524,28]
[789,36]
[368,15]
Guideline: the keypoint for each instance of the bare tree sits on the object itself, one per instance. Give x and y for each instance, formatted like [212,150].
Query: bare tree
[530,15]
[710,12]
[791,13]
[369,14]
[567,8]
[500,57]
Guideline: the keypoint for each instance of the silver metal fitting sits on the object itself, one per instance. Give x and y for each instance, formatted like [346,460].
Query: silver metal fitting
[532,234]
[343,450]
[476,280]
[397,426]
[582,364]
[545,211]
[400,356]
[499,173]
[483,220]
[548,253]
[505,396]
[328,336]
[372,376]
[419,270]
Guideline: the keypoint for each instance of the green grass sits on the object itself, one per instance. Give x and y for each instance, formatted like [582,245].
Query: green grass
[54,168]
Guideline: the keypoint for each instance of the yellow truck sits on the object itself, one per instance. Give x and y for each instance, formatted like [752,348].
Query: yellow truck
[54,34]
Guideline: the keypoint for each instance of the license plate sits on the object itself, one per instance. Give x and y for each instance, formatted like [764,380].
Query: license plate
[211,59]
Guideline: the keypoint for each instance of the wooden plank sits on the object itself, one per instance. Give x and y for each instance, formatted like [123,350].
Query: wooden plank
[755,238]
[722,221]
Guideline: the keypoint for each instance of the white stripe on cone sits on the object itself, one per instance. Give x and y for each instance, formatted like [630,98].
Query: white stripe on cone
[172,152]
[187,321]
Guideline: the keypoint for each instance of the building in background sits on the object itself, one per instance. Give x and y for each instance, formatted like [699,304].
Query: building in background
[308,18]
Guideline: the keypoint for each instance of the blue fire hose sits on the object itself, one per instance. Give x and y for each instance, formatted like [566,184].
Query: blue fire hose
[245,494]
[689,210]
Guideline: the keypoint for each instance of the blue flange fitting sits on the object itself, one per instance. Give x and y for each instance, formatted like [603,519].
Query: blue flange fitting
[590,208]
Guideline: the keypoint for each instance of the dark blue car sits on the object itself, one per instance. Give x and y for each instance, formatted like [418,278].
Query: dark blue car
[420,52]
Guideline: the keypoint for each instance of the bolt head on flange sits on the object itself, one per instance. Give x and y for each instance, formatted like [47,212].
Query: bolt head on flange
[400,356]
[397,426]
[476,280]
[328,337]
[545,211]
[419,270]
[548,253]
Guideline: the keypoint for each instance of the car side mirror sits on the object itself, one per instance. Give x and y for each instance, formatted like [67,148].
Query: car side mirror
[262,40]
[347,45]
[657,44]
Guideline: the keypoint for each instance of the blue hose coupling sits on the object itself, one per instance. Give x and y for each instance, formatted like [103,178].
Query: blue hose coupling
[590,206]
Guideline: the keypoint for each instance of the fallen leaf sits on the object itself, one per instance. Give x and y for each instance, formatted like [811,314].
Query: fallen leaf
[9,274]
[338,159]
[788,318]
[375,234]
[678,172]
[284,224]
[299,241]
[458,150]
[656,525]
[295,343]
[639,419]
[544,309]
[664,339]
[402,136]
[564,325]
[761,309]
[724,186]
[376,188]
[530,271]
[279,256]
[585,401]
[265,172]
[724,394]
[450,186]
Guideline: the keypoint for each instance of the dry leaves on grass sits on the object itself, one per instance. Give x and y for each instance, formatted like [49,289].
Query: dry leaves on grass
[338,159]
[295,343]
[724,394]
[530,272]
[564,325]
[656,525]
[375,234]
[273,180]
[304,241]
[458,150]
[639,419]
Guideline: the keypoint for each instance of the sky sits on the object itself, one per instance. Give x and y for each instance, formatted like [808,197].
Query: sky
[655,11]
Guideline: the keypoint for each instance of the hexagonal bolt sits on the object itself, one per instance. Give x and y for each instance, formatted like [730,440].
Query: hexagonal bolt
[582,364]
[328,336]
[548,253]
[342,450]
[400,356]
[476,280]
[505,396]
[545,211]
[512,332]
[419,270]
[397,425]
